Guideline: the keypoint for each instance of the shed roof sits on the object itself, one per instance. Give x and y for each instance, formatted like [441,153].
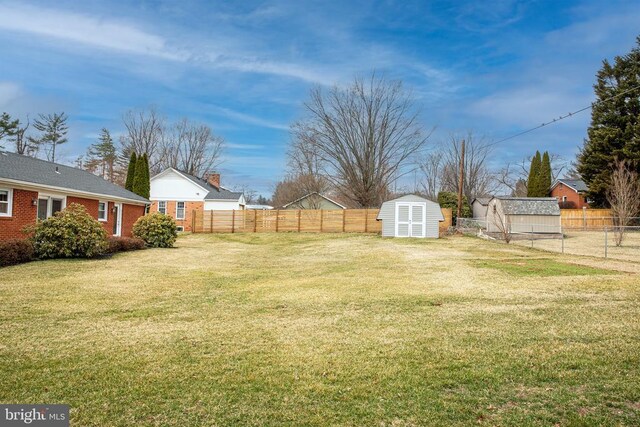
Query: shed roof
[484,201]
[529,205]
[17,167]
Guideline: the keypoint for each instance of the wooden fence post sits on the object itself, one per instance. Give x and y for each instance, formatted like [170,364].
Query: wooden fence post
[233,221]
[299,211]
[211,221]
[255,220]
[344,220]
[366,220]
[277,215]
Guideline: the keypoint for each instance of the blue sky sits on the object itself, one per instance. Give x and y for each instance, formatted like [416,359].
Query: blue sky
[246,67]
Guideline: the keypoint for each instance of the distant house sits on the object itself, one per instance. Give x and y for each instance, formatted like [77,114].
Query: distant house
[33,189]
[570,193]
[540,215]
[479,206]
[410,216]
[179,194]
[258,207]
[314,201]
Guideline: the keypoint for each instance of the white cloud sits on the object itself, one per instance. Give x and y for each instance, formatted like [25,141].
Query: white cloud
[9,92]
[247,118]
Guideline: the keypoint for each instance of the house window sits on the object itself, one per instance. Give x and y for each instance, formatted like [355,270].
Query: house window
[564,199]
[180,229]
[102,211]
[47,206]
[162,207]
[6,196]
[179,210]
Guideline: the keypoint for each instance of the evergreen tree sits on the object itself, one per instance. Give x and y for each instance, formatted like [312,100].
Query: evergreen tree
[533,182]
[54,132]
[8,127]
[449,199]
[614,133]
[545,175]
[141,184]
[103,154]
[131,171]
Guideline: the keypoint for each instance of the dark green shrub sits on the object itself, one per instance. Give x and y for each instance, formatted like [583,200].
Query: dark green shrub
[156,229]
[71,233]
[15,251]
[123,244]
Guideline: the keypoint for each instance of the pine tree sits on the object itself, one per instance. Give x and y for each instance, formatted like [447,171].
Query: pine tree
[545,175]
[103,154]
[141,184]
[533,182]
[131,171]
[614,133]
[54,132]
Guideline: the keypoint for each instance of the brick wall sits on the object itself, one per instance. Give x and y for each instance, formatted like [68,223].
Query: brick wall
[23,214]
[130,214]
[574,200]
[189,207]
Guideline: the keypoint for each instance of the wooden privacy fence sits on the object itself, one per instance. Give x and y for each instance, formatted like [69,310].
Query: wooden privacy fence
[302,220]
[586,219]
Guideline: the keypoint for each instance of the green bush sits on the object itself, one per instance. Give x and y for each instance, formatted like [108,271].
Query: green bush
[71,233]
[15,251]
[123,244]
[156,229]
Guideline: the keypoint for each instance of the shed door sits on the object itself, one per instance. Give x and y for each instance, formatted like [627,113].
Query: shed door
[403,220]
[411,219]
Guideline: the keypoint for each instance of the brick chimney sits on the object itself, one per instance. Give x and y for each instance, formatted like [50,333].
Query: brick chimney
[214,179]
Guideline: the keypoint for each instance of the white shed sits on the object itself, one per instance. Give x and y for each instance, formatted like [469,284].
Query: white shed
[410,216]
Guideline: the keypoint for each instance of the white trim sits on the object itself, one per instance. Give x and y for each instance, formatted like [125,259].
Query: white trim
[165,206]
[68,191]
[50,197]
[106,211]
[9,203]
[184,210]
[421,220]
[118,220]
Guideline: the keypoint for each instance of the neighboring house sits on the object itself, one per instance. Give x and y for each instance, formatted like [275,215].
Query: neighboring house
[570,193]
[314,201]
[538,215]
[479,207]
[32,189]
[410,216]
[179,194]
[259,207]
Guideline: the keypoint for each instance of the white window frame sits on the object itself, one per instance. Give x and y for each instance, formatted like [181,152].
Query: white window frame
[164,209]
[106,211]
[179,228]
[184,210]
[50,197]
[9,202]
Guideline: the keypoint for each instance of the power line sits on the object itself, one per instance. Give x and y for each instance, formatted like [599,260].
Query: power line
[563,117]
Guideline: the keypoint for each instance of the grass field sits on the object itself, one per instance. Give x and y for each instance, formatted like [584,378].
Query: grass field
[311,329]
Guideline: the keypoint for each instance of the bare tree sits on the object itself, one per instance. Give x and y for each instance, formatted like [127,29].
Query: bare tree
[501,222]
[365,135]
[431,167]
[514,175]
[192,148]
[144,135]
[54,132]
[22,143]
[624,197]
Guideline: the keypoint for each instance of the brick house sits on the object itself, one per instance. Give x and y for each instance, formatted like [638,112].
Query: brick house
[179,194]
[570,193]
[32,189]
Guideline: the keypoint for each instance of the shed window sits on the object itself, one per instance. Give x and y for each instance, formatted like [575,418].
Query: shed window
[6,196]
[102,211]
[180,210]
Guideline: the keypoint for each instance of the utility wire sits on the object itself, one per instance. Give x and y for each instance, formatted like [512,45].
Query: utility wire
[563,117]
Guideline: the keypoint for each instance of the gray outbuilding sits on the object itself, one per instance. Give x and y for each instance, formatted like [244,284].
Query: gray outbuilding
[410,216]
[539,215]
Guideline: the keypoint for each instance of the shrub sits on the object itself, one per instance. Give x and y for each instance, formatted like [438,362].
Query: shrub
[123,244]
[71,233]
[156,229]
[15,251]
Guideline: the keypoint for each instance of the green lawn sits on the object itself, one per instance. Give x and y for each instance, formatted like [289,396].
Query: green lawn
[309,329]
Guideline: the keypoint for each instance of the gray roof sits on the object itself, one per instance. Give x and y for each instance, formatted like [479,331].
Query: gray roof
[576,184]
[530,205]
[40,172]
[214,193]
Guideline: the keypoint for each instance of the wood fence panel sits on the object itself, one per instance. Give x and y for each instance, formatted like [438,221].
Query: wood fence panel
[447,213]
[587,219]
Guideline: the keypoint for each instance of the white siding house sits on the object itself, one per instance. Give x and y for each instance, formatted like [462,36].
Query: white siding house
[410,216]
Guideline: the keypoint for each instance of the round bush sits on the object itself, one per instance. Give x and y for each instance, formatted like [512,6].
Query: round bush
[156,229]
[71,233]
